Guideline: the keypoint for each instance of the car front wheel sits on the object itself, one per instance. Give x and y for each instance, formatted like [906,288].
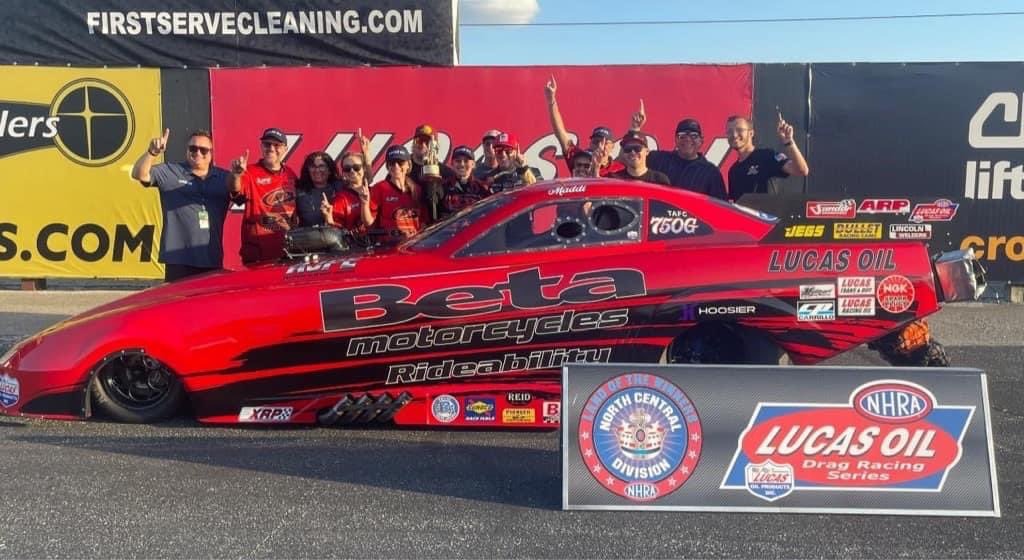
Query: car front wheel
[136,388]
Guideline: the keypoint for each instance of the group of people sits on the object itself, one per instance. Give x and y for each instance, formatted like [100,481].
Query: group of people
[195,195]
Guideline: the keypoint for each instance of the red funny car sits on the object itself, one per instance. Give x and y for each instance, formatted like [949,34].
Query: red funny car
[469,323]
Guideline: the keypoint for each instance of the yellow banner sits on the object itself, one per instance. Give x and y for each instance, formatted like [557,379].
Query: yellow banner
[68,139]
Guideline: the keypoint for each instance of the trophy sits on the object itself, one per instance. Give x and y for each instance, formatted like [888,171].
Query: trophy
[431,175]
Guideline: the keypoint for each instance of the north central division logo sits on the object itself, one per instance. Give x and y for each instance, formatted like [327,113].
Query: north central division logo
[640,436]
[89,121]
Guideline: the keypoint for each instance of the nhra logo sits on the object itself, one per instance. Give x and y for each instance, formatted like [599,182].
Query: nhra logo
[640,436]
[89,121]
[890,436]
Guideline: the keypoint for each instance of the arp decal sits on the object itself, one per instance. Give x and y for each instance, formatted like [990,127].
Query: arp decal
[832,210]
[942,210]
[390,304]
[884,206]
[830,260]
[640,436]
[265,414]
[892,435]
[895,293]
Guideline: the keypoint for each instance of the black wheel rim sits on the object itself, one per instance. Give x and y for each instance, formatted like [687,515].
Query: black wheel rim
[136,381]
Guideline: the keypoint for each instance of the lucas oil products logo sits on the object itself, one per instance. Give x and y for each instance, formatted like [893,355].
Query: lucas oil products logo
[89,121]
[891,435]
[640,436]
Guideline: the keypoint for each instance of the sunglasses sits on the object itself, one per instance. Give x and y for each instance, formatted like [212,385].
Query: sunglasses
[200,149]
[271,145]
[632,149]
[690,135]
[355,167]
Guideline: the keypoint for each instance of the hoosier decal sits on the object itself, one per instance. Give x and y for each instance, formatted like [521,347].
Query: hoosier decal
[640,436]
[890,436]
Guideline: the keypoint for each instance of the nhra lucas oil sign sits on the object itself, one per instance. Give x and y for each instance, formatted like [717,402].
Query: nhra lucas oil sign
[753,438]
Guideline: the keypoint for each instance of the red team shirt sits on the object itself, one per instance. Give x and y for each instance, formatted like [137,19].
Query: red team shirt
[269,206]
[348,209]
[396,210]
[604,171]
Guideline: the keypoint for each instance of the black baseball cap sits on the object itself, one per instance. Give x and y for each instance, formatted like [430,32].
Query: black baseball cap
[603,132]
[462,151]
[583,153]
[397,153]
[274,134]
[689,125]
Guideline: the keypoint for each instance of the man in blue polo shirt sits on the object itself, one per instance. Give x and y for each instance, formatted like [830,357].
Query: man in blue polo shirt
[194,199]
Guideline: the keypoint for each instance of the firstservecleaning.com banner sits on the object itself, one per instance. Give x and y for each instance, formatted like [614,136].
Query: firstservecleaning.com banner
[905,441]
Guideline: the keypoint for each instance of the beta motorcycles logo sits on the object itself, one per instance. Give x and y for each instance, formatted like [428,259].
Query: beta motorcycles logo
[640,436]
[10,391]
[832,210]
[891,436]
[391,304]
[89,121]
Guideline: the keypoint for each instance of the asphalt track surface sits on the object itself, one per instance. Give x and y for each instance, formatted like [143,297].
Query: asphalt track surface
[182,490]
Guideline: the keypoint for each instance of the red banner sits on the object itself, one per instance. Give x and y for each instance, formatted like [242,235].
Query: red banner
[324,108]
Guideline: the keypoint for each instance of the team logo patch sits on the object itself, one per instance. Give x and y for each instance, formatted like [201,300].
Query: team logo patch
[265,414]
[890,436]
[769,481]
[445,409]
[941,210]
[895,293]
[640,436]
[816,311]
[828,210]
[10,390]
[479,409]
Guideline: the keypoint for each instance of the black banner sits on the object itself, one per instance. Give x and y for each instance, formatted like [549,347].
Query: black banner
[212,33]
[943,131]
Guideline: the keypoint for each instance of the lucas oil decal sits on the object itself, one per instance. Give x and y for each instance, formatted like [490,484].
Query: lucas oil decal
[830,260]
[892,435]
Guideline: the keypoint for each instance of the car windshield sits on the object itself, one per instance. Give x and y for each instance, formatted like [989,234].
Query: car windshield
[437,234]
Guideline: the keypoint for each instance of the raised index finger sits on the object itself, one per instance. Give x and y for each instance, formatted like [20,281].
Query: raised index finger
[167,133]
[641,105]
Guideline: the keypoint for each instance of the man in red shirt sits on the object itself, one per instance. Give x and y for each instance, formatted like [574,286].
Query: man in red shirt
[601,139]
[396,204]
[268,189]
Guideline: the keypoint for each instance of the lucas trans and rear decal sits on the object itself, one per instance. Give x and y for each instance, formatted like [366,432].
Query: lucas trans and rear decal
[891,436]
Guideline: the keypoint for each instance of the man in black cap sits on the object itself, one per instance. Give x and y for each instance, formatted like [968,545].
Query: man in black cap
[634,153]
[686,166]
[601,139]
[464,189]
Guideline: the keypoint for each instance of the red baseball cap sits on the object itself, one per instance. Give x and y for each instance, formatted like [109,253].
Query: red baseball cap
[506,140]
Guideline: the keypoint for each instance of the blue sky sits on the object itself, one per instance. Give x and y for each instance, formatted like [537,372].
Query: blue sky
[900,40]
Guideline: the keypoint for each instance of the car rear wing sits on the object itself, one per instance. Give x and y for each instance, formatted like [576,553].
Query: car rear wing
[959,276]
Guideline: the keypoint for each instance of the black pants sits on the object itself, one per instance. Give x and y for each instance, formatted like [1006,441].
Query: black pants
[174,272]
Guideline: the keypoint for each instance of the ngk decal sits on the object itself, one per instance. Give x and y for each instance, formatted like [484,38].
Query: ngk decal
[941,210]
[993,180]
[856,285]
[830,210]
[891,435]
[884,206]
[895,293]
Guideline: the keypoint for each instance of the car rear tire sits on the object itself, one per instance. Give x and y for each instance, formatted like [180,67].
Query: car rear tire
[135,388]
[718,343]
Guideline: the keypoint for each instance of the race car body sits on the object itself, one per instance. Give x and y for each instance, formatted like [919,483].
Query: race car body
[469,323]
